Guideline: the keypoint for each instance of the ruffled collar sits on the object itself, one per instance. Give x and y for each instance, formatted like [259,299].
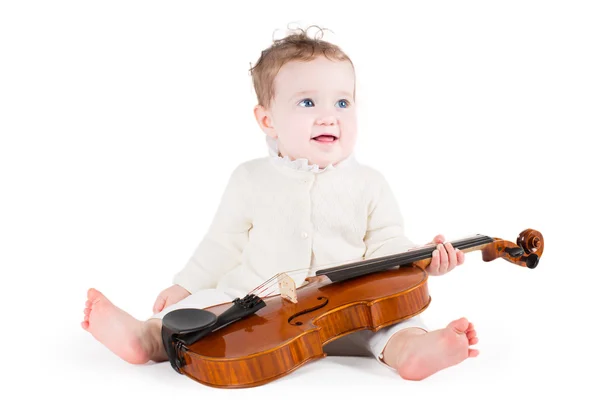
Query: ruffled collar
[300,164]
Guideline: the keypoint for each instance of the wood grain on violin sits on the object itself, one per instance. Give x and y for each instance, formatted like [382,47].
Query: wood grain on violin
[255,341]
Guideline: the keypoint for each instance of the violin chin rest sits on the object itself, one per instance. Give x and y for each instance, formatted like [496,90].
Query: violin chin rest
[179,325]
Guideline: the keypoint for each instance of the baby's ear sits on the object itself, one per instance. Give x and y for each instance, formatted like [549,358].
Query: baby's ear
[264,120]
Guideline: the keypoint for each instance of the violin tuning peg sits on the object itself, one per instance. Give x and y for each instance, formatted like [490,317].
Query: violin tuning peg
[515,251]
[532,261]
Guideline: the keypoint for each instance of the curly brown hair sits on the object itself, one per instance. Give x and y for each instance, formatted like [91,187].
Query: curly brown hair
[297,46]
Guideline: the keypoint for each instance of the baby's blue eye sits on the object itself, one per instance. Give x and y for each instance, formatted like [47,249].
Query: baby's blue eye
[307,100]
[343,103]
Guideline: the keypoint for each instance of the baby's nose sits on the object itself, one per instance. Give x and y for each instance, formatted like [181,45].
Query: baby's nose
[330,120]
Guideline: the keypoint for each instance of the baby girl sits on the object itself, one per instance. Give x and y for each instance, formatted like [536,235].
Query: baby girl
[309,203]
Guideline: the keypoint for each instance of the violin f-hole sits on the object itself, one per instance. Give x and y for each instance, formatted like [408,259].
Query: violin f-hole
[324,300]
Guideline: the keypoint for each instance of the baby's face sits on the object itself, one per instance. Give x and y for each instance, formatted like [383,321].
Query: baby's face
[313,114]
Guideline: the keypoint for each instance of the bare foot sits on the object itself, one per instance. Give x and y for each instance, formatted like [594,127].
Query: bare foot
[424,354]
[132,340]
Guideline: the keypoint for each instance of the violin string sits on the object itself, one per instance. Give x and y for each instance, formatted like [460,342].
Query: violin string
[264,288]
[407,253]
[260,292]
[266,284]
[367,262]
[269,294]
[274,280]
[412,251]
[271,282]
[262,285]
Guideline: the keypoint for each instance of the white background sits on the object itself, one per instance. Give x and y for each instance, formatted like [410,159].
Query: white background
[120,122]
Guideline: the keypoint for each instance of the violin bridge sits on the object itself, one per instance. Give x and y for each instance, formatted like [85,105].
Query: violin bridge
[287,288]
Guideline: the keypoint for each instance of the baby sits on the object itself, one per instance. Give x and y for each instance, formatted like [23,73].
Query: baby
[306,205]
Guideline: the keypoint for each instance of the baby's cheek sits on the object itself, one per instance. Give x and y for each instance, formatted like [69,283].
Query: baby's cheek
[296,126]
[348,123]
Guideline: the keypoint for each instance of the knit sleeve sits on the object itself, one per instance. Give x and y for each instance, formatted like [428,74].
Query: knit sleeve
[221,248]
[385,226]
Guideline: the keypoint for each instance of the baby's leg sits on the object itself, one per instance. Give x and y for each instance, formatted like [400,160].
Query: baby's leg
[135,341]
[417,354]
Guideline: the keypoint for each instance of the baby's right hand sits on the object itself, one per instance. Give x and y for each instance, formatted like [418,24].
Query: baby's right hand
[169,296]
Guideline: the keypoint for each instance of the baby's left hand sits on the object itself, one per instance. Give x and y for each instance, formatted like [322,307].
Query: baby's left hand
[444,258]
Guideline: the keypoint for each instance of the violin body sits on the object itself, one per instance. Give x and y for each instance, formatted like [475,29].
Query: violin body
[283,335]
[259,342]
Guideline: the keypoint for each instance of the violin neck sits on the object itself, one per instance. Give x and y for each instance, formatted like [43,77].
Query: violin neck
[359,268]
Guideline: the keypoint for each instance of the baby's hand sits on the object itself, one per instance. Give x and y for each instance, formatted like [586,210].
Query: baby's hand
[169,296]
[444,258]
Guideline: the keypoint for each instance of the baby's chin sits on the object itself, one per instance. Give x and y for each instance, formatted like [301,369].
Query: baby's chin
[325,162]
[322,160]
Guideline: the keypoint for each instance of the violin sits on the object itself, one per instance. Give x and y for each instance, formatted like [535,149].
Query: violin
[255,340]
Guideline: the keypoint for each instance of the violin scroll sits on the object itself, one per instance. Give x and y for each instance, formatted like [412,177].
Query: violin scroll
[526,252]
[531,242]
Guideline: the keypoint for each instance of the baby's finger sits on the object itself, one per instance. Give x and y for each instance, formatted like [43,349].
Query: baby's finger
[169,301]
[438,239]
[451,255]
[434,265]
[443,258]
[460,257]
[159,304]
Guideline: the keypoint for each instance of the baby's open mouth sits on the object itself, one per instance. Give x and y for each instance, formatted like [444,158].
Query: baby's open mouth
[325,138]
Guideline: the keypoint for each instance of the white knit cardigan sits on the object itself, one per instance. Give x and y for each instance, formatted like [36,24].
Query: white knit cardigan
[278,215]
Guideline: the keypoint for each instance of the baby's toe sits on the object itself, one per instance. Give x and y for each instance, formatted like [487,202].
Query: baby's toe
[473,341]
[460,325]
[93,295]
[473,353]
[471,334]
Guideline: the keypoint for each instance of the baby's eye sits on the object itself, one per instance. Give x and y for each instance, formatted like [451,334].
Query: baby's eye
[308,102]
[343,103]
